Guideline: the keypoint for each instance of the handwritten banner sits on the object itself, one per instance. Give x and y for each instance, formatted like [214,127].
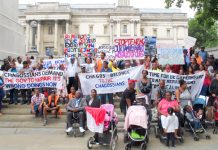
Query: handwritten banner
[130,48]
[108,50]
[54,63]
[108,82]
[194,82]
[39,79]
[79,45]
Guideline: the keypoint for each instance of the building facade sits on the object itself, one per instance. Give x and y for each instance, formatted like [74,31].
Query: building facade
[12,42]
[46,23]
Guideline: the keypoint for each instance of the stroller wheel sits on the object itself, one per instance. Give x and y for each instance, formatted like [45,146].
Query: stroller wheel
[181,140]
[113,144]
[196,138]
[128,147]
[143,146]
[208,137]
[89,142]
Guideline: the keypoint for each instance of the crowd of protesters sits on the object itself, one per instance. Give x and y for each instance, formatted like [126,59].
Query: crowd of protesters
[48,100]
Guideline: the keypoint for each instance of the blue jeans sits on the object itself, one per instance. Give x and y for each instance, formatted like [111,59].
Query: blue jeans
[196,124]
[13,95]
[2,95]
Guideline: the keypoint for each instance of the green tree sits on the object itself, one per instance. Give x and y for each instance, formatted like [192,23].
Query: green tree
[210,7]
[205,30]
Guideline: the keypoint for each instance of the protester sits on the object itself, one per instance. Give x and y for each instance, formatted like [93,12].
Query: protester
[198,58]
[14,91]
[145,84]
[26,93]
[190,71]
[163,107]
[147,64]
[194,64]
[206,84]
[168,69]
[89,66]
[110,95]
[128,97]
[52,106]
[160,91]
[75,108]
[210,68]
[187,60]
[72,93]
[113,66]
[155,67]
[37,102]
[5,66]
[183,96]
[127,64]
[99,62]
[203,54]
[2,93]
[213,90]
[72,69]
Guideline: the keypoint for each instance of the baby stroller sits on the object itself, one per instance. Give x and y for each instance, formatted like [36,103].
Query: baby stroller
[199,103]
[102,120]
[136,124]
[215,129]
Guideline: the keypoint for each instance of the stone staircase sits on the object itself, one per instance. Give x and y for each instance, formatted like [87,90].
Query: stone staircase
[18,116]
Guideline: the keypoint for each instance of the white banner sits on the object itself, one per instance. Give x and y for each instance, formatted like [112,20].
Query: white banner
[108,82]
[190,42]
[39,79]
[195,82]
[108,50]
[54,63]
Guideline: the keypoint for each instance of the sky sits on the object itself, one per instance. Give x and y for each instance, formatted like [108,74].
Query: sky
[136,3]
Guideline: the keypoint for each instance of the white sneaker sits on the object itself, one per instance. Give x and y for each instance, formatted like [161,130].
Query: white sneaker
[70,129]
[81,129]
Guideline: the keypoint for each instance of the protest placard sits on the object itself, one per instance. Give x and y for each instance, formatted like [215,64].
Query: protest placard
[108,50]
[108,82]
[54,63]
[150,45]
[129,48]
[79,45]
[39,79]
[189,42]
[170,54]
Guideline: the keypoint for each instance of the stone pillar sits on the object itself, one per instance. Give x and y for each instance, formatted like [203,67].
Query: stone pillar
[132,28]
[27,35]
[39,37]
[56,37]
[175,34]
[138,28]
[118,28]
[111,32]
[67,26]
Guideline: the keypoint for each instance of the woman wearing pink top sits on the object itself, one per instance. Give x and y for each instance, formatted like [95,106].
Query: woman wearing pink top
[163,107]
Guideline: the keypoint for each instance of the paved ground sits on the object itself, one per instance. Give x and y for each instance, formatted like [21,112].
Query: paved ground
[55,139]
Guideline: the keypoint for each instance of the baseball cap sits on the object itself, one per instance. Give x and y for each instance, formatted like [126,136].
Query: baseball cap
[131,81]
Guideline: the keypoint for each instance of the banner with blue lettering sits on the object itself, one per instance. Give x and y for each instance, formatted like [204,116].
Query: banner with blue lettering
[38,79]
[108,82]
[53,63]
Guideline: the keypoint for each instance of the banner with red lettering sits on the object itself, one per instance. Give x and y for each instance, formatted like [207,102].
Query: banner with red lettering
[129,48]
[38,79]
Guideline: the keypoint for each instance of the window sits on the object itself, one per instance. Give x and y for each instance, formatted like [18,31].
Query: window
[91,29]
[50,30]
[125,29]
[168,32]
[142,32]
[105,29]
[154,32]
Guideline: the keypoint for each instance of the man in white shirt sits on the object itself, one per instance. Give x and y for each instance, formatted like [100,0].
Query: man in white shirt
[19,64]
[72,69]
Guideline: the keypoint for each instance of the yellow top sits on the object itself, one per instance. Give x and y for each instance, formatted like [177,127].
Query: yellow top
[110,65]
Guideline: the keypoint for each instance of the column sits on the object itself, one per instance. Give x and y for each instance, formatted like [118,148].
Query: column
[118,28]
[175,34]
[39,37]
[132,28]
[67,27]
[138,28]
[56,37]
[111,32]
[27,35]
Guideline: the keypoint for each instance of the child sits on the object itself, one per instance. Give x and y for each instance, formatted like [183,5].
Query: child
[172,125]
[194,117]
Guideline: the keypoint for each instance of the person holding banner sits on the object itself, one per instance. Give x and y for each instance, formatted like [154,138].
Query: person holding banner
[72,68]
[13,92]
[145,84]
[2,93]
[183,96]
[110,95]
